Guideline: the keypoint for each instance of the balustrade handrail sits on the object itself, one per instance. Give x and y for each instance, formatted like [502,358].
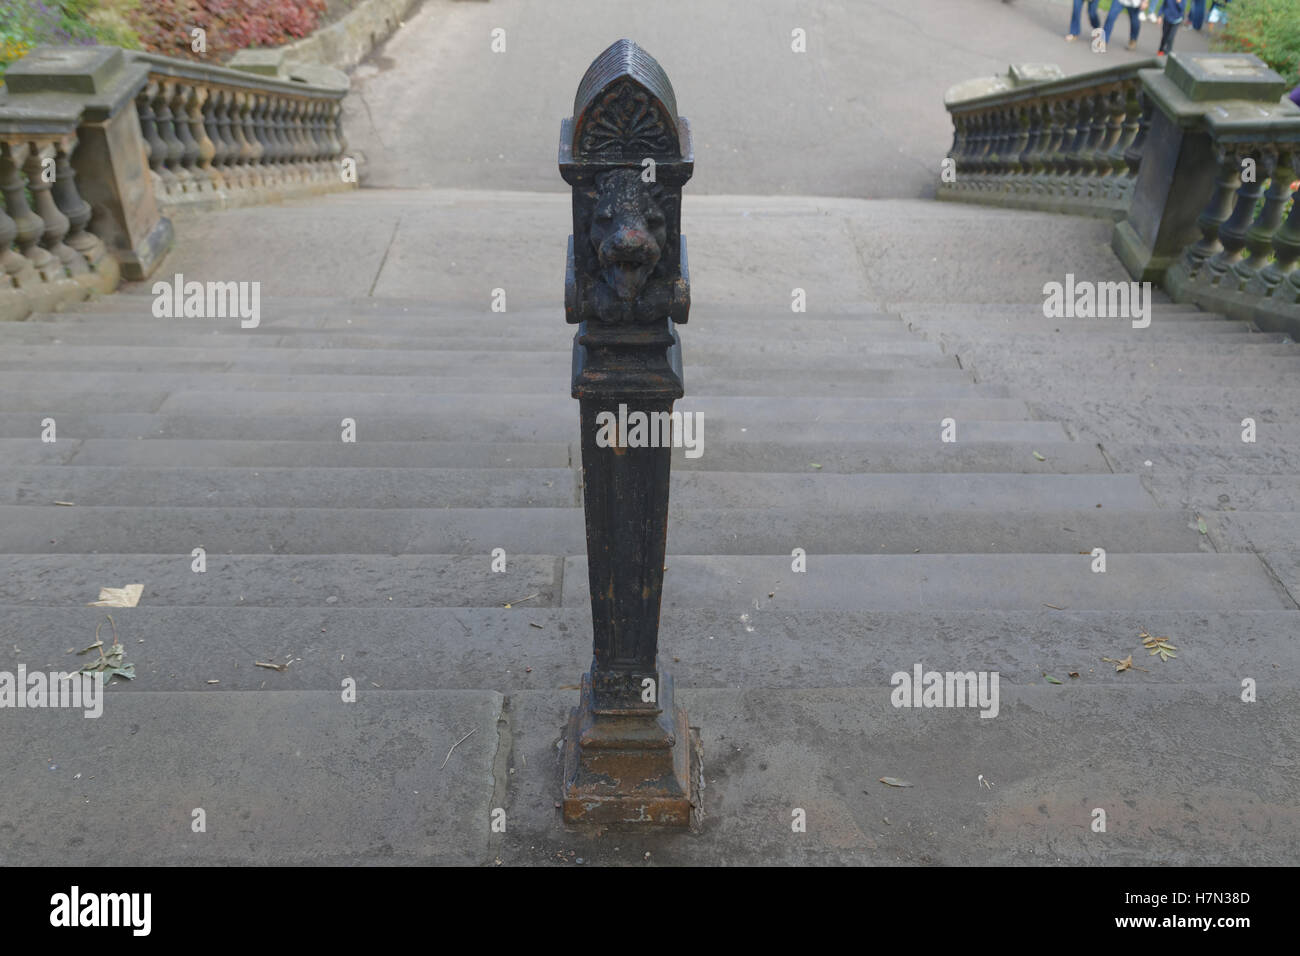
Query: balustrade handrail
[236,79]
[1044,89]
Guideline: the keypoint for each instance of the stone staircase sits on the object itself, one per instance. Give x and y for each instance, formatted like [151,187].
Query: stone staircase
[371,561]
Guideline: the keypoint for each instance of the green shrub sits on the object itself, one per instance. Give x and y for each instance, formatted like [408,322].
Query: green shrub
[1270,29]
[28,23]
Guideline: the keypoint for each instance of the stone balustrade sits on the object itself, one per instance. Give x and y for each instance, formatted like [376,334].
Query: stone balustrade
[1243,264]
[216,137]
[97,144]
[1196,162]
[1036,139]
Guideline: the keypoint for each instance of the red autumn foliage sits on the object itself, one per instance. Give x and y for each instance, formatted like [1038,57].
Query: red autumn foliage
[165,26]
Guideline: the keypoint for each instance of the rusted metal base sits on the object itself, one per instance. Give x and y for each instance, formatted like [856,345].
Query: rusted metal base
[628,769]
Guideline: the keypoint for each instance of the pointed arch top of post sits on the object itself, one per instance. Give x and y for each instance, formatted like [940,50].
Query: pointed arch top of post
[625,108]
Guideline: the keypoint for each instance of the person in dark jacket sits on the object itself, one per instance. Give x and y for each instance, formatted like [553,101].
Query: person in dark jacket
[1196,16]
[1171,13]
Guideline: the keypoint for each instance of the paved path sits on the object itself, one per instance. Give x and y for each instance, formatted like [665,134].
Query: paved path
[859,114]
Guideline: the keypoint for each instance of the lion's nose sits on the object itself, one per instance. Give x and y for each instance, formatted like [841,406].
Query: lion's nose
[632,242]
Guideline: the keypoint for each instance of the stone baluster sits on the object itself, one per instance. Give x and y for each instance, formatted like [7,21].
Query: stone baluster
[40,178]
[19,271]
[1272,279]
[297,111]
[1130,119]
[217,126]
[337,137]
[1080,111]
[104,270]
[163,179]
[1041,145]
[1062,135]
[1110,127]
[258,111]
[189,159]
[1215,213]
[1259,237]
[237,108]
[208,176]
[167,130]
[248,124]
[231,132]
[30,226]
[1232,231]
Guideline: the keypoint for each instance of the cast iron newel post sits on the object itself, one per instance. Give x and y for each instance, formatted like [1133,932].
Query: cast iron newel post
[626,154]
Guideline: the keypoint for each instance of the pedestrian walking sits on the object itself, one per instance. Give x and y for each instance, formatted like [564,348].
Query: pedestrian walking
[1093,17]
[1196,15]
[1172,13]
[1134,10]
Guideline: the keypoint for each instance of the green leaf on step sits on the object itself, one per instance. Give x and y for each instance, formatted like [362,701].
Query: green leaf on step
[813,464]
[894,782]
[1039,457]
[1053,680]
[1201,525]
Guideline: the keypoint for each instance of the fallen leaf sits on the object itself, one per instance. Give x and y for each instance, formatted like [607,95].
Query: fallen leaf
[813,464]
[274,667]
[1053,680]
[894,782]
[1039,457]
[1201,525]
[111,664]
[128,596]
[535,624]
[66,504]
[1158,645]
[1074,673]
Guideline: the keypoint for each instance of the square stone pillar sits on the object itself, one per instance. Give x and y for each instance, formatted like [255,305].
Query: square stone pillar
[1179,164]
[97,85]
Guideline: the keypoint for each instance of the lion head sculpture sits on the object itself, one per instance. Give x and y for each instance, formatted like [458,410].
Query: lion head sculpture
[628,231]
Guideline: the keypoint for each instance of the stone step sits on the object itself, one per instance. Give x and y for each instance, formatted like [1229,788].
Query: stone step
[339,488]
[706,382]
[262,580]
[255,339]
[379,488]
[1259,531]
[740,583]
[54,530]
[197,453]
[403,426]
[512,412]
[992,311]
[531,648]
[294,777]
[1228,457]
[1191,327]
[1227,492]
[1015,790]
[793,456]
[1132,582]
